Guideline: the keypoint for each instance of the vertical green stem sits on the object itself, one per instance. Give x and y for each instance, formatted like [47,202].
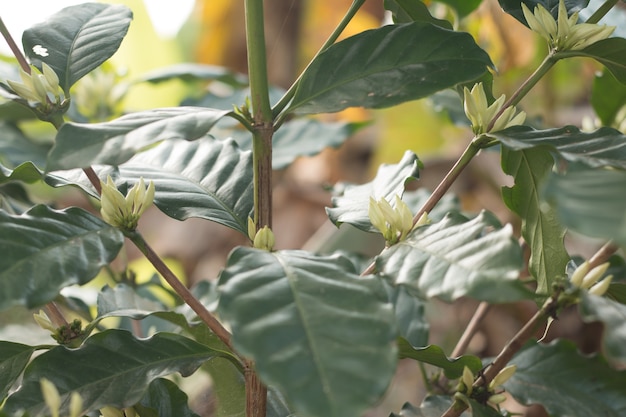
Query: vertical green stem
[602,11]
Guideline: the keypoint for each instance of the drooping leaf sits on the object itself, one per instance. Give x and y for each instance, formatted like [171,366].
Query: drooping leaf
[613,315]
[410,315]
[191,72]
[590,201]
[387,66]
[405,11]
[611,53]
[567,383]
[604,147]
[608,97]
[352,202]
[115,142]
[26,172]
[434,355]
[302,137]
[206,178]
[458,257]
[279,306]
[13,359]
[540,227]
[164,398]
[514,7]
[77,39]
[45,250]
[120,376]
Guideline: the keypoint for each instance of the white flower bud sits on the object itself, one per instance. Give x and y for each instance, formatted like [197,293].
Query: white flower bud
[503,376]
[264,239]
[50,396]
[124,212]
[594,275]
[601,287]
[481,114]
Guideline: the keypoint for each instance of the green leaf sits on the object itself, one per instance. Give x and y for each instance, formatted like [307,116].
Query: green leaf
[206,178]
[611,53]
[514,7]
[406,11]
[351,205]
[45,250]
[280,306]
[540,227]
[26,172]
[191,72]
[388,66]
[590,201]
[302,137]
[77,39]
[115,142]
[16,148]
[119,377]
[13,359]
[163,399]
[613,315]
[434,355]
[604,147]
[607,97]
[566,383]
[410,315]
[457,257]
[462,7]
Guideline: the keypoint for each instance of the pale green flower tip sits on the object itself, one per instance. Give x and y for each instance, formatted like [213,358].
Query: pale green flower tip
[51,396]
[405,215]
[44,322]
[468,380]
[496,399]
[111,412]
[76,405]
[377,218]
[579,274]
[594,275]
[424,220]
[51,76]
[264,239]
[251,229]
[601,287]
[503,376]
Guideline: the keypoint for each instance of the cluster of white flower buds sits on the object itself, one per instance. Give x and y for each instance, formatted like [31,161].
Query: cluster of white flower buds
[261,239]
[589,279]
[394,223]
[480,113]
[124,211]
[465,387]
[40,89]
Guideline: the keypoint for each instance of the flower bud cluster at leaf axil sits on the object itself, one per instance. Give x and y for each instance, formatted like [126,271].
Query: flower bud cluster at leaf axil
[41,90]
[394,223]
[589,279]
[124,212]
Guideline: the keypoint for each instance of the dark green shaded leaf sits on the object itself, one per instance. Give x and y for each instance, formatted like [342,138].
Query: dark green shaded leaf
[16,148]
[119,377]
[540,227]
[462,7]
[279,306]
[590,201]
[432,406]
[406,11]
[387,66]
[617,292]
[206,178]
[12,111]
[26,172]
[163,399]
[514,7]
[13,359]
[458,257]
[604,147]
[608,97]
[434,355]
[613,315]
[410,315]
[45,250]
[191,72]
[611,53]
[77,39]
[115,142]
[567,383]
[351,205]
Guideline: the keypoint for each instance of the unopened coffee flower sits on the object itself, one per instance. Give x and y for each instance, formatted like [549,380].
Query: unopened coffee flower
[481,114]
[564,33]
[124,211]
[393,223]
[40,89]
[589,279]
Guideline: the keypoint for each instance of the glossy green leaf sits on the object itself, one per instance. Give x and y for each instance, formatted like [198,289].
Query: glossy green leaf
[617,292]
[302,137]
[514,7]
[603,147]
[567,383]
[611,53]
[191,72]
[613,315]
[120,376]
[206,178]
[434,355]
[590,201]
[458,257]
[608,97]
[115,142]
[351,204]
[16,148]
[388,66]
[462,7]
[540,227]
[405,11]
[410,315]
[45,250]
[279,306]
[26,172]
[77,39]
[13,359]
[164,398]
